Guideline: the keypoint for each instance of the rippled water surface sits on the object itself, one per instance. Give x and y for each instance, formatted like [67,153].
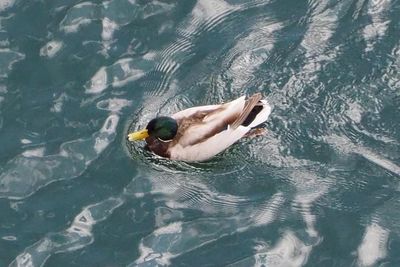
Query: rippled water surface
[321,188]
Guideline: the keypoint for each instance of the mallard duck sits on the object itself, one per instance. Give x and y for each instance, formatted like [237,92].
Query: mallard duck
[199,133]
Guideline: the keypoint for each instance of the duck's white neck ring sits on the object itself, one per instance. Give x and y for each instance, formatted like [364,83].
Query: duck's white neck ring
[164,141]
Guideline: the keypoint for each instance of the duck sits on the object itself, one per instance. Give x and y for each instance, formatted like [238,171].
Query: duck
[199,133]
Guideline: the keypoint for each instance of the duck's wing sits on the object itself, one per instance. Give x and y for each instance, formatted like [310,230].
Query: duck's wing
[191,111]
[214,130]
[209,147]
[200,123]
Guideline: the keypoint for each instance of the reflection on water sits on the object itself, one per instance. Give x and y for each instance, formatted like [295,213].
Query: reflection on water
[319,189]
[373,246]
[26,173]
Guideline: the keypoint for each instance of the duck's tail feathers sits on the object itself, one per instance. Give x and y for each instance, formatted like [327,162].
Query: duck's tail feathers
[260,114]
[249,105]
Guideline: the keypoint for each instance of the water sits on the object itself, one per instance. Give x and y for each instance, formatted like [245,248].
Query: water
[321,188]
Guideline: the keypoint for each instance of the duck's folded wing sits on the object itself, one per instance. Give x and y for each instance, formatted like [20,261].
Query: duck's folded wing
[235,106]
[191,111]
[209,147]
[206,123]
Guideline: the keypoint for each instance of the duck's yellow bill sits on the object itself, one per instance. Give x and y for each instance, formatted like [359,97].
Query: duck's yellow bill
[139,135]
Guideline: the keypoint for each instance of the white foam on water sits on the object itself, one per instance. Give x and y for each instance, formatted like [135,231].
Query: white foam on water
[150,258]
[391,77]
[110,125]
[309,219]
[267,213]
[207,9]
[379,160]
[377,10]
[78,16]
[37,152]
[9,238]
[113,104]
[59,103]
[373,247]
[139,195]
[23,260]
[82,224]
[130,73]
[26,141]
[178,238]
[288,252]
[109,27]
[358,8]
[346,146]
[4,4]
[355,112]
[93,214]
[108,129]
[150,55]
[44,245]
[155,8]
[51,48]
[98,82]
[77,23]
[173,228]
[164,216]
[7,59]
[119,74]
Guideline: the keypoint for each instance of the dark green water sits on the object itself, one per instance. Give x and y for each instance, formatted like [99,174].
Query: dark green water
[321,188]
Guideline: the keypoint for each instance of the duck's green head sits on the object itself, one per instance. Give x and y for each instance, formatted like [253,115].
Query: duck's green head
[163,128]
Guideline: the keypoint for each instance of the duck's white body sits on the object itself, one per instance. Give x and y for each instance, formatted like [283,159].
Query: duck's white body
[203,139]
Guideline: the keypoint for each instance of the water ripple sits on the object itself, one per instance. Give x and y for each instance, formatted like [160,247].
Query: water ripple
[373,245]
[51,48]
[77,236]
[7,59]
[119,74]
[5,4]
[330,154]
[79,16]
[377,10]
[289,251]
[30,171]
[175,239]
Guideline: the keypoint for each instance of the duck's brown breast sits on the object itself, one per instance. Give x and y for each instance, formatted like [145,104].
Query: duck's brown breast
[158,147]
